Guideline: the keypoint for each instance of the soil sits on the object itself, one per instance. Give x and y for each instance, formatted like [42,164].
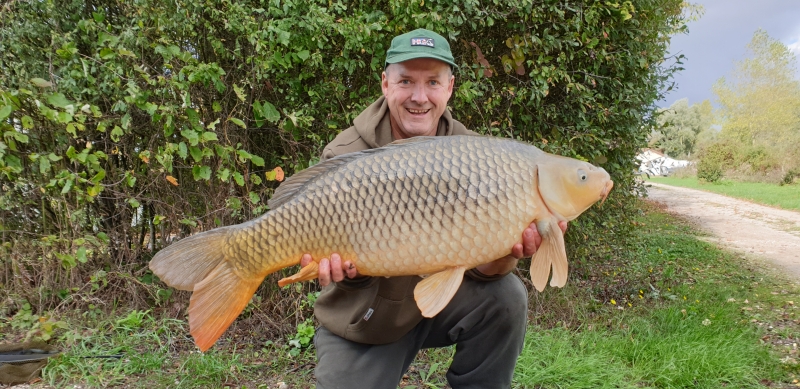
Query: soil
[758,231]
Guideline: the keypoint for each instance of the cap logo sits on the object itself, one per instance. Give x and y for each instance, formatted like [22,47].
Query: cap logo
[422,42]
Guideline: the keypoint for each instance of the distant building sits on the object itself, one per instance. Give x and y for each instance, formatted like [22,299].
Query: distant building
[656,163]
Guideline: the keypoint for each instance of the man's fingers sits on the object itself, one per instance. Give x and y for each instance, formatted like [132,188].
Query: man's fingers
[350,269]
[336,268]
[563,225]
[529,240]
[305,260]
[324,272]
[517,251]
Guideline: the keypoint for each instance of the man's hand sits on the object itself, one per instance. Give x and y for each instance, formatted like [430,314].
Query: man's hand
[531,240]
[331,270]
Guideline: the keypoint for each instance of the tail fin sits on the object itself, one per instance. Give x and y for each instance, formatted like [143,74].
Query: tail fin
[198,263]
[186,262]
[216,302]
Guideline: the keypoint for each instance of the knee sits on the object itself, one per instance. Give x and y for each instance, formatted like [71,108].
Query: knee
[511,303]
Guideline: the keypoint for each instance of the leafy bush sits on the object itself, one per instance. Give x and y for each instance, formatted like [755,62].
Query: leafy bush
[128,124]
[789,177]
[709,170]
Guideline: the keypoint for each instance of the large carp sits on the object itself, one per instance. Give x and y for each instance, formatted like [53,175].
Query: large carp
[434,206]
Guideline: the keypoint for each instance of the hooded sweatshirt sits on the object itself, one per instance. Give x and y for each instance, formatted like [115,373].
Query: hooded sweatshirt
[376,310]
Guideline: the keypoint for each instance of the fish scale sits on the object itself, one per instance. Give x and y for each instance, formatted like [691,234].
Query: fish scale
[427,205]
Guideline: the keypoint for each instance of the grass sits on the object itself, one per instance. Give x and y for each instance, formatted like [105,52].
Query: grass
[786,196]
[699,320]
[678,313]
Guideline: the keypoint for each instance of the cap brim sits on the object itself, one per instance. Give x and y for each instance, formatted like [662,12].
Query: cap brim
[409,56]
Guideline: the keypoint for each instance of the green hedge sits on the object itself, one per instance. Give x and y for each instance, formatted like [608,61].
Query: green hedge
[126,123]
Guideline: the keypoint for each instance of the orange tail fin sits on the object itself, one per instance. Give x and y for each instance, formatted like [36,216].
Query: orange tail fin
[198,263]
[216,302]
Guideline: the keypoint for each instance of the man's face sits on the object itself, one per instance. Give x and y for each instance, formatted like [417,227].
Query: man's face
[417,92]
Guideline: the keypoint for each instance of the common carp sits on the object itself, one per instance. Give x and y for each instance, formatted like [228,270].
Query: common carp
[434,206]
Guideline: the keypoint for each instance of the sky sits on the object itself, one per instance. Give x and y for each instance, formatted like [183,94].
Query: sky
[720,37]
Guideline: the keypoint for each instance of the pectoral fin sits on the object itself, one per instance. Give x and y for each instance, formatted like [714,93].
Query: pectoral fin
[551,253]
[434,292]
[309,272]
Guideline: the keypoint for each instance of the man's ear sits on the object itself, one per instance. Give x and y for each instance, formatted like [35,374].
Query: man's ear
[450,85]
[384,83]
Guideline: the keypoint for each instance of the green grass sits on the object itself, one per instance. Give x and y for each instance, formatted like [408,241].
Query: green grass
[786,196]
[677,313]
[701,318]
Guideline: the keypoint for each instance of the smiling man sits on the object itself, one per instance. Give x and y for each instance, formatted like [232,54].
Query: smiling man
[371,328]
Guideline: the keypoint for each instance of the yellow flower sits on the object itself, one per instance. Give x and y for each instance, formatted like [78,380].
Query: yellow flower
[613,302]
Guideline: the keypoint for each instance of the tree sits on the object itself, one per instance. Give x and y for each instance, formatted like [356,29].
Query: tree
[760,101]
[678,127]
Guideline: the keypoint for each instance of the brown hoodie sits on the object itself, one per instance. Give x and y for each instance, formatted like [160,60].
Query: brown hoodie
[376,310]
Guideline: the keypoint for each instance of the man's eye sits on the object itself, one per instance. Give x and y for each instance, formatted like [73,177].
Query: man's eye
[405,82]
[434,82]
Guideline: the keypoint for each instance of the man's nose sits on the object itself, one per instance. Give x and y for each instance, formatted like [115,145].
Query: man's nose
[419,95]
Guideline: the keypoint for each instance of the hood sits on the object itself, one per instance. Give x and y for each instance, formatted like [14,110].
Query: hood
[375,127]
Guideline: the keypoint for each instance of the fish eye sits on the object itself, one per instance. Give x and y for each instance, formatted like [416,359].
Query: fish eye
[582,175]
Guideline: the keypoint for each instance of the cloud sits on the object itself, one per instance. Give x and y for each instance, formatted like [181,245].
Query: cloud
[794,47]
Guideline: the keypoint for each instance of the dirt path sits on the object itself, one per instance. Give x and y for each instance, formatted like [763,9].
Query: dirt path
[769,233]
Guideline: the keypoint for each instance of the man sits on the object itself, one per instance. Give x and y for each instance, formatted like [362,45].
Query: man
[371,328]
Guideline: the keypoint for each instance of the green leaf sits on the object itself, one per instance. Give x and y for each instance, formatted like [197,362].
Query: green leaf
[64,117]
[27,122]
[103,237]
[107,53]
[99,176]
[224,174]
[255,179]
[239,92]
[197,154]
[157,219]
[67,186]
[44,165]
[191,136]
[130,180]
[5,111]
[58,100]
[213,124]
[303,54]
[238,122]
[53,157]
[126,121]
[258,161]
[254,198]
[182,150]
[269,112]
[201,172]
[134,203]
[126,52]
[41,83]
[208,136]
[94,190]
[216,107]
[116,133]
[239,178]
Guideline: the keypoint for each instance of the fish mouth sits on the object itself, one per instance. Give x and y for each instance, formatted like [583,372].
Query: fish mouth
[606,191]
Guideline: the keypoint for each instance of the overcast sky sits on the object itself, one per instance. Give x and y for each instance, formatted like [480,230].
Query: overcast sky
[720,38]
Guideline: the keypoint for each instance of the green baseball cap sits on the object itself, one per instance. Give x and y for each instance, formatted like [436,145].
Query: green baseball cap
[420,43]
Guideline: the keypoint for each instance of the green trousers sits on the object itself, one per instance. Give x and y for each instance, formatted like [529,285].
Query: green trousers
[485,320]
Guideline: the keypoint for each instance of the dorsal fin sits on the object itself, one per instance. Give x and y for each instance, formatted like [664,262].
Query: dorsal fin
[294,184]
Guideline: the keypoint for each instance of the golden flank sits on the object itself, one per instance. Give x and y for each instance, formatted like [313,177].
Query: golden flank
[434,206]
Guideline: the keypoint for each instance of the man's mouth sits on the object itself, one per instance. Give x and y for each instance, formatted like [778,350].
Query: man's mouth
[417,111]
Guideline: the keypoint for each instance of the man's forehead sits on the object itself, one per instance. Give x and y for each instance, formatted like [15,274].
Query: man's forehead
[427,66]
